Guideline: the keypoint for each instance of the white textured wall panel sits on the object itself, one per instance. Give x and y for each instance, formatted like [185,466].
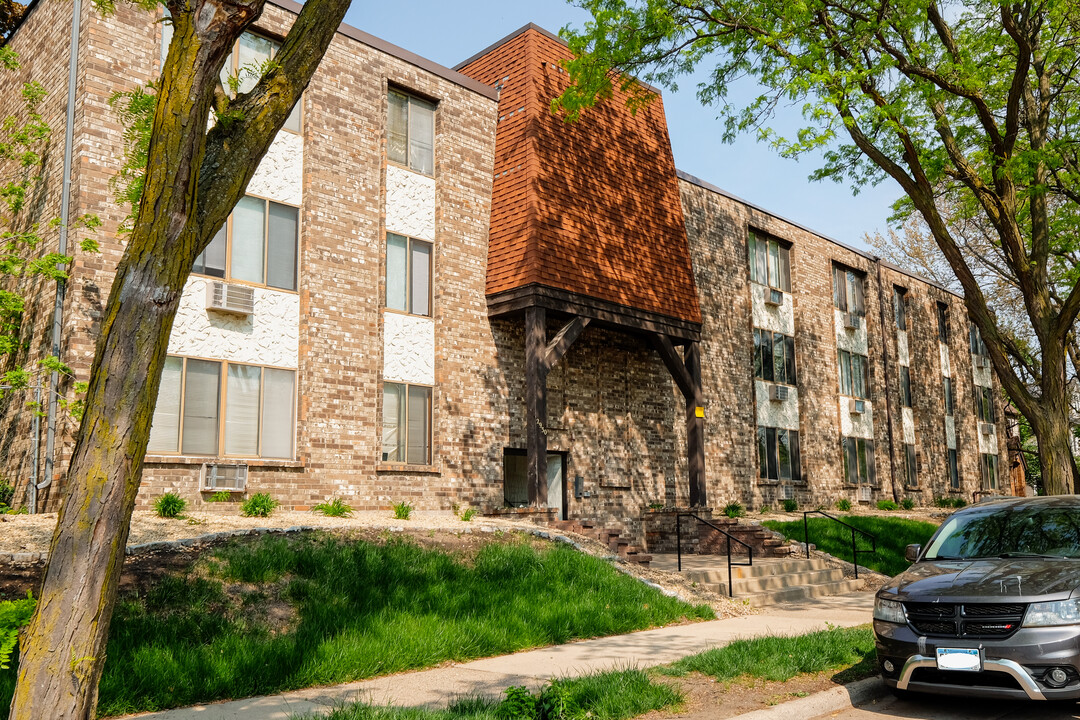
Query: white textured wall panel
[778,318]
[410,203]
[280,176]
[988,443]
[408,349]
[909,426]
[950,432]
[901,348]
[268,337]
[850,340]
[946,368]
[981,376]
[777,414]
[860,425]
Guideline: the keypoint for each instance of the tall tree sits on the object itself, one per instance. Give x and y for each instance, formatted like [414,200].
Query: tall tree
[972,103]
[193,179]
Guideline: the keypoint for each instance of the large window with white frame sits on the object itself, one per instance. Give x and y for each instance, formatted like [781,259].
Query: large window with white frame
[411,132]
[224,409]
[408,274]
[258,244]
[774,357]
[406,424]
[770,261]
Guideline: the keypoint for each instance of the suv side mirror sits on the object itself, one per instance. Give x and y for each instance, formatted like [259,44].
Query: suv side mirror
[912,552]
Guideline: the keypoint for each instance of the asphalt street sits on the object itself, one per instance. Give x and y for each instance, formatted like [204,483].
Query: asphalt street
[945,708]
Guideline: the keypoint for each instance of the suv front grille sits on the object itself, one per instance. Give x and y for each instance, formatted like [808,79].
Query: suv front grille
[967,620]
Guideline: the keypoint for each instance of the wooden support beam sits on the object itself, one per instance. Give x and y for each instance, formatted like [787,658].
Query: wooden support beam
[695,427]
[674,364]
[563,340]
[536,370]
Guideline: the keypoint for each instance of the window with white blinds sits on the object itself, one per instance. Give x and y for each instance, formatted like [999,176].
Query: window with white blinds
[208,407]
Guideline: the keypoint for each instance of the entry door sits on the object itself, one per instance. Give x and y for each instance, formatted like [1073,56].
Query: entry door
[556,482]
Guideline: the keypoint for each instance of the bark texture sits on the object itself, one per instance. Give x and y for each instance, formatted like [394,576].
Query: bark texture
[193,181]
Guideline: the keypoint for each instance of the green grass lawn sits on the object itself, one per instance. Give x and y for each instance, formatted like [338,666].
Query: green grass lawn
[893,535]
[260,617]
[782,658]
[615,695]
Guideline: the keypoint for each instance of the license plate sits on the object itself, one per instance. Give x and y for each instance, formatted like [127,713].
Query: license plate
[959,659]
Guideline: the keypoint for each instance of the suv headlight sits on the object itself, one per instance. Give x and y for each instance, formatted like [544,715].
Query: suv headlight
[889,611]
[1062,612]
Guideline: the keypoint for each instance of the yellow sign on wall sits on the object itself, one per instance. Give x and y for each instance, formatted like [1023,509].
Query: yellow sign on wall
[699,412]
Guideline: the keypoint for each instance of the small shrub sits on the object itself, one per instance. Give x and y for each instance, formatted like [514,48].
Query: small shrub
[14,614]
[335,508]
[468,515]
[258,505]
[843,505]
[557,702]
[221,496]
[402,510]
[519,704]
[765,509]
[887,505]
[734,509]
[907,503]
[950,502]
[791,505]
[7,494]
[170,505]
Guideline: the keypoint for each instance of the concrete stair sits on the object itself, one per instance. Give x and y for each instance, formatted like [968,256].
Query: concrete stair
[612,538]
[768,581]
[753,534]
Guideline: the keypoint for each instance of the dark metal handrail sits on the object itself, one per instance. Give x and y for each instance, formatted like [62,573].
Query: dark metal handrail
[854,547]
[678,546]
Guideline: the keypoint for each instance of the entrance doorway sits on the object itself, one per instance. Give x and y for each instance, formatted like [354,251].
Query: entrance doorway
[515,480]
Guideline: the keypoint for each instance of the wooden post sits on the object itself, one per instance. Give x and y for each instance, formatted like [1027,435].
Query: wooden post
[695,427]
[536,370]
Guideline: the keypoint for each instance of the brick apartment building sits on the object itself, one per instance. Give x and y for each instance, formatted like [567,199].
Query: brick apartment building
[436,291]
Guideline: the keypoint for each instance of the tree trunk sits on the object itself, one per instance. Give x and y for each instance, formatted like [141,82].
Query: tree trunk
[1054,435]
[193,181]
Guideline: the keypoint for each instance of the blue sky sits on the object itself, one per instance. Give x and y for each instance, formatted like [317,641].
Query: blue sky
[449,32]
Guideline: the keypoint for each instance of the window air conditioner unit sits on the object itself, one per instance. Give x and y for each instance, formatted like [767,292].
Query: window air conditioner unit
[986,428]
[774,296]
[787,492]
[981,361]
[778,393]
[865,493]
[232,478]
[236,299]
[857,407]
[852,321]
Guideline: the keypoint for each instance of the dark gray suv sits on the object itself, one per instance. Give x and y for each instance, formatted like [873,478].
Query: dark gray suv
[991,606]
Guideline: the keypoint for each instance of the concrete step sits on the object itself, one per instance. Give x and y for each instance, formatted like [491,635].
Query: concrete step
[799,594]
[717,571]
[777,583]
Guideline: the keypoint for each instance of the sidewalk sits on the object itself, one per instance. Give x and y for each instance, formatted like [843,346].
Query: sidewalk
[491,676]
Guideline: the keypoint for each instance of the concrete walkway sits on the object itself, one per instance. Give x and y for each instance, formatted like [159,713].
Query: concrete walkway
[531,668]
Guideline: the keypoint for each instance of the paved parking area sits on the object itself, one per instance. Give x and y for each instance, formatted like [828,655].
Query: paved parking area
[946,708]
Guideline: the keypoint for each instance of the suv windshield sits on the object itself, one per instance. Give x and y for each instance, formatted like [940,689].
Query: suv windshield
[1012,531]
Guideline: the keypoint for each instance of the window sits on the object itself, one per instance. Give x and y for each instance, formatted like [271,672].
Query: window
[989,471]
[257,245]
[950,401]
[406,424]
[774,357]
[245,64]
[256,404]
[854,375]
[411,132]
[900,307]
[911,473]
[905,386]
[408,275]
[778,454]
[849,292]
[943,322]
[978,347]
[984,404]
[954,476]
[770,262]
[858,457]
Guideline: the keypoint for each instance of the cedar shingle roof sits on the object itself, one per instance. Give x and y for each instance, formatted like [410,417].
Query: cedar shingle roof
[591,207]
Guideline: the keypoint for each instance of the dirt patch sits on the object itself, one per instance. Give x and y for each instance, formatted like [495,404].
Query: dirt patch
[707,699]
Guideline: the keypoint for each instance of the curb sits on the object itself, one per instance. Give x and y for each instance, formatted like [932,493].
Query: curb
[838,698]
